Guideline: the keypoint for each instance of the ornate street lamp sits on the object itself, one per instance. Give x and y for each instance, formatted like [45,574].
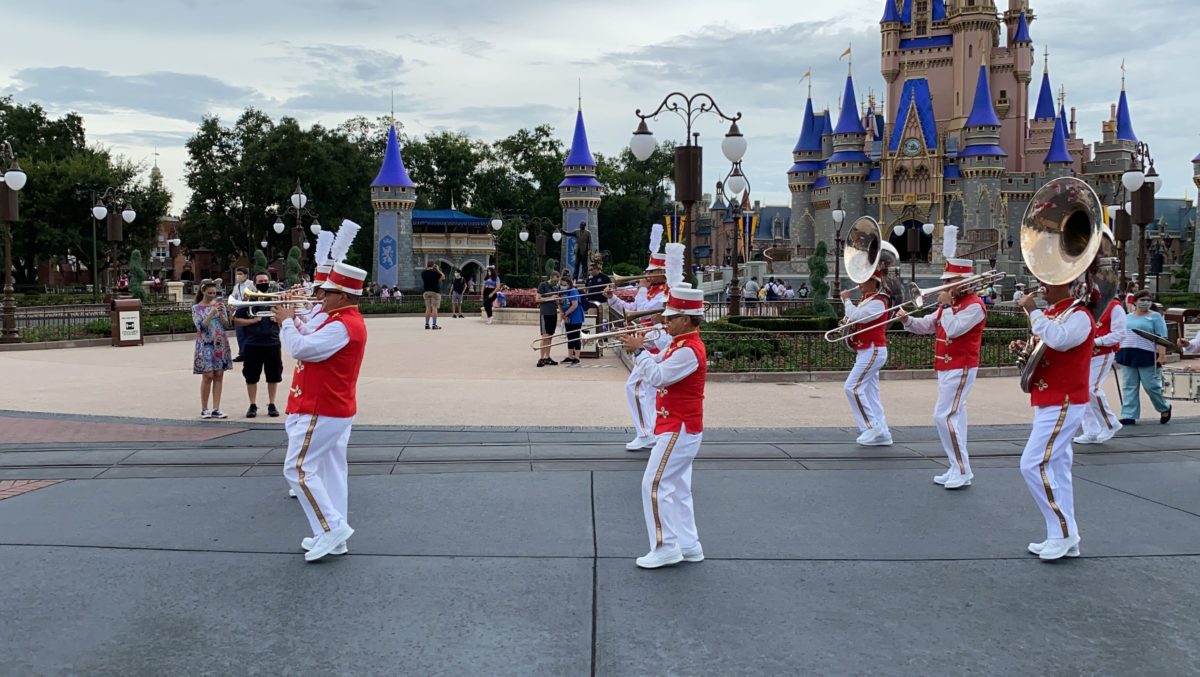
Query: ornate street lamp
[914,243]
[299,208]
[839,218]
[688,158]
[1134,197]
[101,203]
[12,180]
[737,182]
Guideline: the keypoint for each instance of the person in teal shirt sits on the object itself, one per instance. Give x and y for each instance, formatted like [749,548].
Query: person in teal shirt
[1141,362]
[572,314]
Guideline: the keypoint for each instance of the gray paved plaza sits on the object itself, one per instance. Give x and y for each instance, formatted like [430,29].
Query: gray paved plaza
[510,552]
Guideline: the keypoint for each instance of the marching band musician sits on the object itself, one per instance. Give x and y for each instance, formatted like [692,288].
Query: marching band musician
[321,407]
[677,376]
[1059,395]
[651,295]
[1099,421]
[958,326]
[862,385]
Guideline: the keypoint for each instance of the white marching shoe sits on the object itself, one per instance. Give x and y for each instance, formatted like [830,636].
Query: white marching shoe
[660,558]
[878,437]
[695,554]
[1036,548]
[1054,548]
[327,542]
[639,443]
[958,481]
[1106,435]
[941,479]
[291,493]
[1086,438]
[340,549]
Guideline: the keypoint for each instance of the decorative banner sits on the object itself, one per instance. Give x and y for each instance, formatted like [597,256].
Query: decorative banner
[741,239]
[670,227]
[387,267]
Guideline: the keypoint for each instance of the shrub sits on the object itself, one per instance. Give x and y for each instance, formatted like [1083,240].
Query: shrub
[818,268]
[810,323]
[137,275]
[293,267]
[260,262]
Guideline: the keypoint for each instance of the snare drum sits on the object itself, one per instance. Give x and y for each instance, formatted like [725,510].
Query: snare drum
[1181,384]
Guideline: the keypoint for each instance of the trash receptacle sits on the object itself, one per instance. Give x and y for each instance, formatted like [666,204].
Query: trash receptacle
[126,322]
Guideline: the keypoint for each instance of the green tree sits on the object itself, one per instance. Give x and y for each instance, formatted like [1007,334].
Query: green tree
[818,268]
[137,275]
[635,197]
[260,262]
[293,267]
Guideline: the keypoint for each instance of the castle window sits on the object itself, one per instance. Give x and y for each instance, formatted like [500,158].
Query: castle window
[970,51]
[1004,95]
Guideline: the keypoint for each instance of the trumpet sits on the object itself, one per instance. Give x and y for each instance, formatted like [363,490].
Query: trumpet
[304,304]
[617,281]
[652,333]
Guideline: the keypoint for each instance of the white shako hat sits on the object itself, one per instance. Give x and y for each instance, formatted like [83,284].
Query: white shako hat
[954,267]
[657,260]
[346,278]
[685,300]
[322,273]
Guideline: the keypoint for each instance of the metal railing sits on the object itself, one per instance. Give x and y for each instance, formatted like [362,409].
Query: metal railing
[60,323]
[771,351]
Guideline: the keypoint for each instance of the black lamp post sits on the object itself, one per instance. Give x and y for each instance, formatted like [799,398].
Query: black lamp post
[688,157]
[1135,204]
[104,208]
[839,218]
[12,180]
[737,182]
[300,209]
[914,243]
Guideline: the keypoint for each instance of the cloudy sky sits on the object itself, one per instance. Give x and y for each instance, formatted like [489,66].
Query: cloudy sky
[144,72]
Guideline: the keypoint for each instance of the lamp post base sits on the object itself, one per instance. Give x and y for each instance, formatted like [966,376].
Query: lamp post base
[735,293]
[9,333]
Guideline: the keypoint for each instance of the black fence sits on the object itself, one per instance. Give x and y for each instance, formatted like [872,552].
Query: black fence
[770,351]
[60,323]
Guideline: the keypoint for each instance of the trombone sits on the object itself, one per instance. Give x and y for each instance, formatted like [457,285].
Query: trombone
[617,281]
[652,333]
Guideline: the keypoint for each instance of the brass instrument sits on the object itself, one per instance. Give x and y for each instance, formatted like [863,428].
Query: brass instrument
[652,333]
[268,300]
[637,315]
[617,281]
[1061,233]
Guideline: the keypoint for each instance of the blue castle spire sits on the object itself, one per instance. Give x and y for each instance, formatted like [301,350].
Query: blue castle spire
[1022,31]
[392,172]
[1124,122]
[983,114]
[810,136]
[581,155]
[890,13]
[827,127]
[1045,104]
[848,121]
[1058,146]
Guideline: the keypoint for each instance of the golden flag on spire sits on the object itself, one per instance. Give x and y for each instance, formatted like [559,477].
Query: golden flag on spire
[846,53]
[807,75]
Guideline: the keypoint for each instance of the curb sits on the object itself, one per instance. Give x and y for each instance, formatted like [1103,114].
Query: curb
[91,343]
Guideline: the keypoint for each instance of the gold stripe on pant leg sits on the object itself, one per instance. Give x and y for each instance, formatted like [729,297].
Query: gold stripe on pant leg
[662,465]
[312,425]
[862,377]
[1096,392]
[637,399]
[950,422]
[1062,520]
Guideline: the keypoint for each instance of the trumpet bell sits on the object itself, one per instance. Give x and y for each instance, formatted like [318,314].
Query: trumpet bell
[1061,231]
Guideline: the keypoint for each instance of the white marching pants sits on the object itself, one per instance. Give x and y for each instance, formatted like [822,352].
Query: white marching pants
[1046,466]
[667,491]
[950,416]
[1099,417]
[862,388]
[316,469]
[642,400]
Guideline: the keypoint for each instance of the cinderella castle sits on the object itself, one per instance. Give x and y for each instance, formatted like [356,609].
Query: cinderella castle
[957,139]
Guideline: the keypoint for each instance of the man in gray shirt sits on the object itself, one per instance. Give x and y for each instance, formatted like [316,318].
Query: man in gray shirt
[548,317]
[583,249]
[750,295]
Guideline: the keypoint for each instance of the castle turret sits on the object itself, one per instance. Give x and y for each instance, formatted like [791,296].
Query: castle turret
[393,195]
[1124,120]
[806,167]
[1016,20]
[1058,161]
[974,27]
[981,161]
[579,194]
[890,28]
[847,167]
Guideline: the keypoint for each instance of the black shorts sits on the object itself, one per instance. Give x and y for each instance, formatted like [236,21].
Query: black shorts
[262,358]
[549,325]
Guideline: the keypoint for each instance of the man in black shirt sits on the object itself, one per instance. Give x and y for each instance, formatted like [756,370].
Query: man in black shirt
[431,279]
[261,351]
[548,317]
[583,250]
[597,282]
[457,289]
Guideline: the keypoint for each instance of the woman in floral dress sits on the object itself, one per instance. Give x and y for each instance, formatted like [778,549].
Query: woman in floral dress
[212,357]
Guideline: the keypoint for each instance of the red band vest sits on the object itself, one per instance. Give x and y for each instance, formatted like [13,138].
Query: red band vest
[682,404]
[962,352]
[1063,376]
[876,337]
[1104,326]
[330,387]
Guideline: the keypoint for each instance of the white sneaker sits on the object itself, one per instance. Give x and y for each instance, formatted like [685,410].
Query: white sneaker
[639,443]
[1054,548]
[660,558]
[865,435]
[1106,435]
[957,481]
[217,413]
[941,479]
[1086,438]
[1036,548]
[292,494]
[204,413]
[327,542]
[340,549]
[695,554]
[882,438]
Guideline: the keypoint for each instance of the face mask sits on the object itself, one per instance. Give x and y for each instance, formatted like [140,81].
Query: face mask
[1144,305]
[263,286]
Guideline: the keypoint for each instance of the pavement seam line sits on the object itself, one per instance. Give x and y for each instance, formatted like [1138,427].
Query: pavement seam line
[1130,493]
[595,570]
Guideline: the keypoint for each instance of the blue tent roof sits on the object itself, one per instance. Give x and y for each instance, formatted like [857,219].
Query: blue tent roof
[849,122]
[983,114]
[849,156]
[810,136]
[392,172]
[939,11]
[1124,123]
[983,150]
[579,181]
[874,175]
[890,13]
[951,172]
[1022,31]
[581,155]
[822,182]
[807,166]
[1045,104]
[447,216]
[916,91]
[1058,146]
